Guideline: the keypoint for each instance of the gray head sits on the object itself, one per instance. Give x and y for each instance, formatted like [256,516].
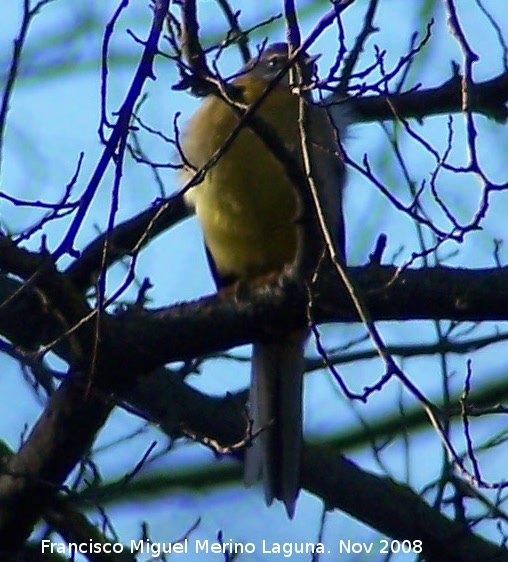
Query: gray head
[274,58]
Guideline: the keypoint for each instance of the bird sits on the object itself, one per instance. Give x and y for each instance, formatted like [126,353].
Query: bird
[247,208]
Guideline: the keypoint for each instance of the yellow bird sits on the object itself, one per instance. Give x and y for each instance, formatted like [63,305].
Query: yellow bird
[247,208]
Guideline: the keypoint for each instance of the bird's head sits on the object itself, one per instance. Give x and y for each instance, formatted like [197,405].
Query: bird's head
[275,57]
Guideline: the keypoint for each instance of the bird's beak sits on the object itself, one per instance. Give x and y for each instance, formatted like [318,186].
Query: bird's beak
[311,59]
[310,63]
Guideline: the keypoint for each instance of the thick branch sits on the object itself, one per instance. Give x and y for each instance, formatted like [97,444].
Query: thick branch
[132,344]
[488,98]
[33,476]
[141,340]
[392,508]
[220,322]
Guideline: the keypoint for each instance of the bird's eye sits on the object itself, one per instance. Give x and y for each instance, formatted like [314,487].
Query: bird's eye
[273,62]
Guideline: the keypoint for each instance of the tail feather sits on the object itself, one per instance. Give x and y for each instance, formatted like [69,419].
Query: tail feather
[276,410]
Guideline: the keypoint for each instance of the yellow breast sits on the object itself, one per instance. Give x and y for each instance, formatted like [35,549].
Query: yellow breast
[246,205]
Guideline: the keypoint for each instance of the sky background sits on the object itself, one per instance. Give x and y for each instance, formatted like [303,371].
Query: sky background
[54,115]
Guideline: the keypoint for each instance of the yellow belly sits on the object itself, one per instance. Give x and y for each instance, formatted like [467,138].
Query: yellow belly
[246,205]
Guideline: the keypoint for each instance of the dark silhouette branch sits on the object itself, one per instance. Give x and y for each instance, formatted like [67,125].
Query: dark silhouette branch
[35,475]
[138,341]
[392,508]
[488,98]
[145,339]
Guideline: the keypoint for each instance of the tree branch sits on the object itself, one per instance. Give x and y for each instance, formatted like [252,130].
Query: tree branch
[141,340]
[133,344]
[488,98]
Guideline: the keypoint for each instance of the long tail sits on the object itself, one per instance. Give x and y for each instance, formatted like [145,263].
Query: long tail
[276,410]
